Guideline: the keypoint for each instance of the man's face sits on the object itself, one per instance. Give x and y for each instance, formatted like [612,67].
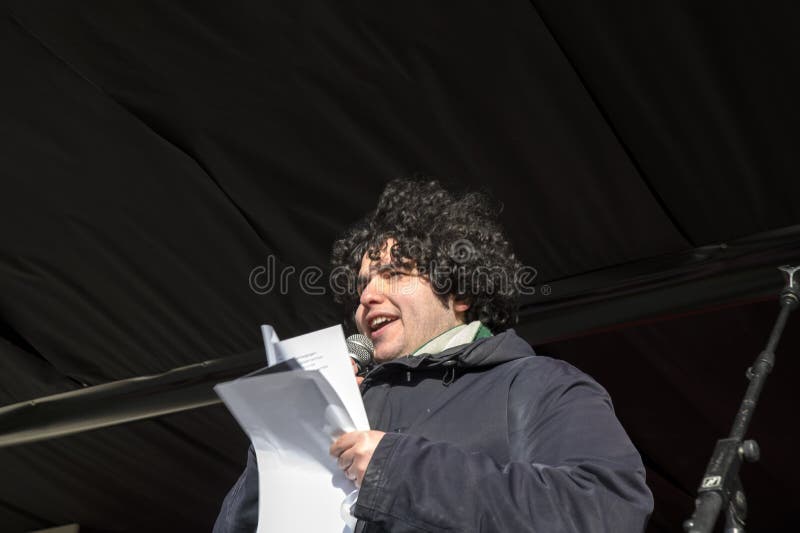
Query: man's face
[399,310]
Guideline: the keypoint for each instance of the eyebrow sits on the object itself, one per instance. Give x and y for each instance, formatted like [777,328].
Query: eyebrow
[362,280]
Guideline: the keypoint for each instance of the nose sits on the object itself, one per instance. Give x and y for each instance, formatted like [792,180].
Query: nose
[372,293]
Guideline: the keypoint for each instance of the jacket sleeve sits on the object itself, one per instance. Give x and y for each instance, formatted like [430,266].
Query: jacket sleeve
[572,468]
[239,512]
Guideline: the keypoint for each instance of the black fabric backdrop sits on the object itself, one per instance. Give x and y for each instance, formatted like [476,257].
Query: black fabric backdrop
[154,153]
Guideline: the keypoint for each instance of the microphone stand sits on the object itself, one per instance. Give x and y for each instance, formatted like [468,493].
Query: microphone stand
[721,487]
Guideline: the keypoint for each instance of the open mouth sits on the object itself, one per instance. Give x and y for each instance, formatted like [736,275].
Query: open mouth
[378,324]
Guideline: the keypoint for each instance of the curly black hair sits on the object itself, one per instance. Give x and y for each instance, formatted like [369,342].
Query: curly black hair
[456,241]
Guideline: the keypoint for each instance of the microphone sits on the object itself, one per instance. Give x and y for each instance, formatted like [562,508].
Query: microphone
[361,351]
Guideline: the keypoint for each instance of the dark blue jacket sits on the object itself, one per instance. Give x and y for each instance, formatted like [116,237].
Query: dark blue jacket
[486,437]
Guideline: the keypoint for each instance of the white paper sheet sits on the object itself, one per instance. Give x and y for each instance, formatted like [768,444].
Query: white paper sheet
[326,350]
[292,418]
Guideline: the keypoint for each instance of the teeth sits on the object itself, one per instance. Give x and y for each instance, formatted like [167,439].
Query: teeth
[380,320]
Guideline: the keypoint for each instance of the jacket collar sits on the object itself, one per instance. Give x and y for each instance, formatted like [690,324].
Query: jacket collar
[484,352]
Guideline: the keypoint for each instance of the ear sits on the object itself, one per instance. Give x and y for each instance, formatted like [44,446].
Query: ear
[460,306]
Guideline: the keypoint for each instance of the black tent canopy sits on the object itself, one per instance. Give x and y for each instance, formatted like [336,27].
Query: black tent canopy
[155,153]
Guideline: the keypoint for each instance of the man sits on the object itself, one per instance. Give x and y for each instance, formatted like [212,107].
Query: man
[473,432]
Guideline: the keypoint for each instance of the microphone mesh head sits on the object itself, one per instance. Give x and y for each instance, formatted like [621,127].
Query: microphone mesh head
[361,348]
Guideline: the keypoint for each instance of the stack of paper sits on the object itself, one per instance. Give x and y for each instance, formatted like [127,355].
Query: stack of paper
[292,417]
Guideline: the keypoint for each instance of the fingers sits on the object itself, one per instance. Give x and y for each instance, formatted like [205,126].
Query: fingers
[349,463]
[345,460]
[354,451]
[353,465]
[349,451]
[359,379]
[354,365]
[343,443]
